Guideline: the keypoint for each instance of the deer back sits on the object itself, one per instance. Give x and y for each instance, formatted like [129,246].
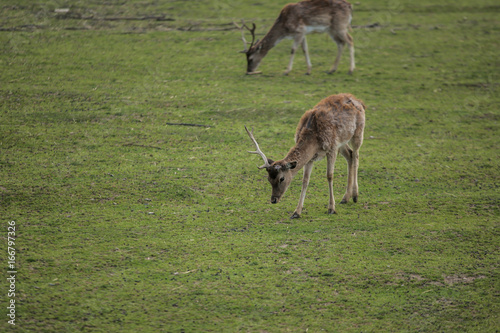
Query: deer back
[332,14]
[332,122]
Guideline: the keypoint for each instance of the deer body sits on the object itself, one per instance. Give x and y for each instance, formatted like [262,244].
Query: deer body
[295,21]
[334,125]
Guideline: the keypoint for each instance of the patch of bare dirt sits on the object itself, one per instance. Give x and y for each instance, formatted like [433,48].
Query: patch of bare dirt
[456,279]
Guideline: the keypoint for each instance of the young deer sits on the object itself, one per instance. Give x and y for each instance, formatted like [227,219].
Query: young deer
[328,128]
[298,19]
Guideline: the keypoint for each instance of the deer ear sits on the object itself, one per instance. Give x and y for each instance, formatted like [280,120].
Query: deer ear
[291,165]
[270,161]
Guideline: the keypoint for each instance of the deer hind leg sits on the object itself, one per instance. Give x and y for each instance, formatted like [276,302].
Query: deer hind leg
[347,152]
[341,40]
[306,54]
[352,157]
[350,43]
[305,182]
[340,46]
[330,158]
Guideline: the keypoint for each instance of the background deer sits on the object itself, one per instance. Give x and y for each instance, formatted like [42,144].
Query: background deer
[295,21]
[331,126]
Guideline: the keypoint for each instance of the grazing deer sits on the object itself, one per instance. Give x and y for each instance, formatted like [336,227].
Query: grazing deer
[295,21]
[328,128]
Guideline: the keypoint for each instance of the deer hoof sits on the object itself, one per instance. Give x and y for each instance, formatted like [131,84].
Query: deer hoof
[332,211]
[355,198]
[344,201]
[295,216]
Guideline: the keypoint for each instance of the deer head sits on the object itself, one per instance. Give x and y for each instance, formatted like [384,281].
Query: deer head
[254,57]
[279,172]
[253,53]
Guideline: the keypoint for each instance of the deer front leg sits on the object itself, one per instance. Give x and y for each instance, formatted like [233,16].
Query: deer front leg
[295,45]
[329,175]
[305,182]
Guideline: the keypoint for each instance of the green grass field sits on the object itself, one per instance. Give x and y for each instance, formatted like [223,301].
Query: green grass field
[126,221]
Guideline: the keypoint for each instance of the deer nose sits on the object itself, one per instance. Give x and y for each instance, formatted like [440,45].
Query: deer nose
[274,200]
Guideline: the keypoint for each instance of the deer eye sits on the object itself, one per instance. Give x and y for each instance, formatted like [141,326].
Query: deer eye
[282,179]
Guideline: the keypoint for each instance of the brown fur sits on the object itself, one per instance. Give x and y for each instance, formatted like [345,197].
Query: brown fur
[334,125]
[298,19]
[334,120]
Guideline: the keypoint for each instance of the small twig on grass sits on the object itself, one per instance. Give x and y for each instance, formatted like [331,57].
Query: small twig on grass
[138,145]
[186,272]
[368,26]
[65,13]
[142,18]
[185,124]
[25,27]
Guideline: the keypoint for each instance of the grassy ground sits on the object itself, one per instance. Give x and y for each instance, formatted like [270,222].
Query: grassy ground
[127,223]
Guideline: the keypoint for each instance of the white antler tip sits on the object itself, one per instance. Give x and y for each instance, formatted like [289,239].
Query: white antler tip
[258,151]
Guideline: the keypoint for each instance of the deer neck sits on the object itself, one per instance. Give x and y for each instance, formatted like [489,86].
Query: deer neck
[302,153]
[271,39]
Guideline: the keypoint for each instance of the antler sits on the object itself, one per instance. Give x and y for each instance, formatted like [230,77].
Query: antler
[266,162]
[252,31]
